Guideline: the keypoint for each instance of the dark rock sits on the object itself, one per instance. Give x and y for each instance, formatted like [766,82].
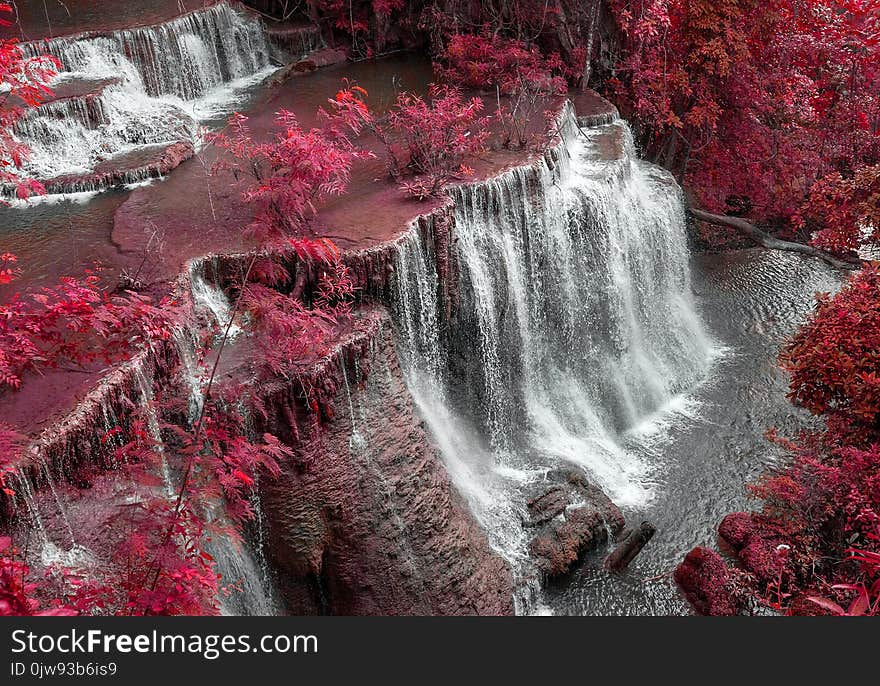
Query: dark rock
[315,61]
[546,507]
[630,546]
[580,482]
[562,544]
[574,517]
[327,57]
[705,579]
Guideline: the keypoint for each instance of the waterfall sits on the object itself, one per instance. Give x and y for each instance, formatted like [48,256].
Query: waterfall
[120,92]
[573,325]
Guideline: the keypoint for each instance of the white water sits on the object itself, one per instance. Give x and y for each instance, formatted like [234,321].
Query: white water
[210,299]
[574,332]
[162,81]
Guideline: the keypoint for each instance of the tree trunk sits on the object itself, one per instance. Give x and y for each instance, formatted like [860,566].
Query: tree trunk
[765,240]
[631,546]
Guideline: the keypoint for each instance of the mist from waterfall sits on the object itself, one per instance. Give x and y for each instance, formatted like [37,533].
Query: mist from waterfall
[574,328]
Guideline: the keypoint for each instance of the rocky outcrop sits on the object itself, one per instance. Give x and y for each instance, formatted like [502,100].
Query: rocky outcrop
[562,544]
[365,520]
[573,517]
[146,163]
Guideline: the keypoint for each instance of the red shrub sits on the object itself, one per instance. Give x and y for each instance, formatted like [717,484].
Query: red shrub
[490,62]
[706,581]
[834,360]
[815,544]
[432,138]
[297,169]
[844,211]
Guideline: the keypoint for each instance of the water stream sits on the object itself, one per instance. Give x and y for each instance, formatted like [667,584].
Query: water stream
[584,331]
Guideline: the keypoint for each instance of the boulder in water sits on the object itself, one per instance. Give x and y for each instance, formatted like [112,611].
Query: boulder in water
[546,507]
[630,546]
[580,484]
[574,517]
[562,544]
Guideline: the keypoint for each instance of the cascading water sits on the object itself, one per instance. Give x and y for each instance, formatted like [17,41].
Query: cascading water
[573,327]
[140,88]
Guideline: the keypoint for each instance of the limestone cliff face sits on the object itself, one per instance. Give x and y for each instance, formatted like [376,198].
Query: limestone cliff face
[365,519]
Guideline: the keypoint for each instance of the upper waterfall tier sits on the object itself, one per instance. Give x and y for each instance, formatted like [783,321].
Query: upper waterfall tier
[147,86]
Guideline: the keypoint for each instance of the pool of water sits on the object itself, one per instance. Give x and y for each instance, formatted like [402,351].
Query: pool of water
[705,451]
[52,18]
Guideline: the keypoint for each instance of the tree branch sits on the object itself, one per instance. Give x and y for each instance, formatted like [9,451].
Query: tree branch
[765,240]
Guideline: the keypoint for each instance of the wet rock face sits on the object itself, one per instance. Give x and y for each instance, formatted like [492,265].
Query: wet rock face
[365,519]
[547,506]
[573,517]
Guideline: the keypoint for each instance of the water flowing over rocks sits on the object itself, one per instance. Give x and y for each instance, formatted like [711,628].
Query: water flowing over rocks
[561,319]
[130,104]
[364,520]
[470,420]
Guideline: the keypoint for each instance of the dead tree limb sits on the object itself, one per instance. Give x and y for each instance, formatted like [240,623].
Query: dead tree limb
[765,240]
[629,547]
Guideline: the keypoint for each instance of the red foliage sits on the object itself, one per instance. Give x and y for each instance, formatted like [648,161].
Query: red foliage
[15,591]
[76,322]
[751,99]
[706,581]
[297,169]
[161,567]
[834,360]
[23,85]
[481,62]
[432,138]
[737,529]
[845,211]
[815,544]
[522,78]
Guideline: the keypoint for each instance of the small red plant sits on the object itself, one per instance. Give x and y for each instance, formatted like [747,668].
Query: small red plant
[296,169]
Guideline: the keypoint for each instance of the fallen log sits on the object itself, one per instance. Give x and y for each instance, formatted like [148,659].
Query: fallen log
[629,547]
[765,240]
